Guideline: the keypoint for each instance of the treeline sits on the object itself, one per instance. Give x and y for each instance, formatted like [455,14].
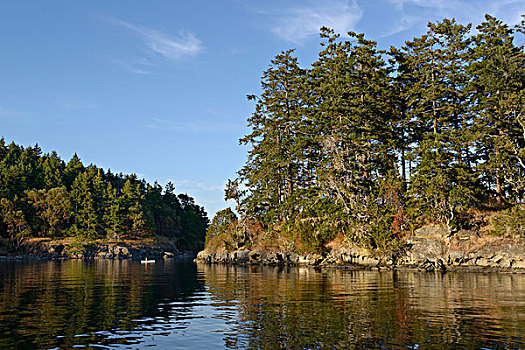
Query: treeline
[372,144]
[42,196]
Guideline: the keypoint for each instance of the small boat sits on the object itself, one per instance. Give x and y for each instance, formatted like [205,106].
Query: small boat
[146,261]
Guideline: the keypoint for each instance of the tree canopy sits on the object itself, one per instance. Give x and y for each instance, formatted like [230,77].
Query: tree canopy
[370,143]
[42,196]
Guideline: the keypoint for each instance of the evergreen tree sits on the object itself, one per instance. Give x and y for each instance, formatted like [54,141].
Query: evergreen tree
[113,217]
[53,208]
[85,222]
[497,69]
[353,125]
[133,203]
[73,169]
[53,168]
[442,181]
[275,160]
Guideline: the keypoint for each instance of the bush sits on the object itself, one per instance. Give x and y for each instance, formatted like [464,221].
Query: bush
[223,222]
[510,222]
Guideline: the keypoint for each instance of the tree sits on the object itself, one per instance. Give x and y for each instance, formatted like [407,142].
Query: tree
[276,162]
[53,208]
[443,180]
[132,198]
[224,221]
[73,169]
[13,224]
[194,222]
[53,168]
[114,216]
[498,86]
[353,125]
[86,222]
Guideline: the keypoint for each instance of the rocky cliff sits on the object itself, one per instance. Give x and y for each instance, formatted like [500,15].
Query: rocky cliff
[430,248]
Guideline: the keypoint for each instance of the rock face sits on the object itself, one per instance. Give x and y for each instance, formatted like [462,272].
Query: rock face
[431,231]
[419,250]
[52,250]
[432,248]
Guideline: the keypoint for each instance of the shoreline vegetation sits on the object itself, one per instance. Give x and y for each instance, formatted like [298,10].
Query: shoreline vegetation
[43,199]
[414,156]
[151,248]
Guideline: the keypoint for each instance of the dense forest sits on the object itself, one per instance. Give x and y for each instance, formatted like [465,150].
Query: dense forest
[371,144]
[42,196]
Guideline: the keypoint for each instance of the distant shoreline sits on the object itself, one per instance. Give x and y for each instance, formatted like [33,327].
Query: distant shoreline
[68,248]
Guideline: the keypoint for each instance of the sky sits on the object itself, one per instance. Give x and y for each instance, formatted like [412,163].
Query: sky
[158,88]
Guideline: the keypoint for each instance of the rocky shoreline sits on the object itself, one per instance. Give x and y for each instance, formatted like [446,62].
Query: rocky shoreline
[429,249]
[63,250]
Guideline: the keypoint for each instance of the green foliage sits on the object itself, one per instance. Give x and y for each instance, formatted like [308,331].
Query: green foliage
[510,223]
[53,207]
[13,221]
[368,148]
[41,196]
[223,221]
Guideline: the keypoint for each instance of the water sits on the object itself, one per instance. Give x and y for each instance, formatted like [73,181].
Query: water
[180,305]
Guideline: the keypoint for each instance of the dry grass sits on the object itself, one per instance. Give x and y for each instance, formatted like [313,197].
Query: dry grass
[337,242]
[479,243]
[151,241]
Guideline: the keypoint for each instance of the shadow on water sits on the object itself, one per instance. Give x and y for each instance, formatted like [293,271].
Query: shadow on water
[303,308]
[177,304]
[60,304]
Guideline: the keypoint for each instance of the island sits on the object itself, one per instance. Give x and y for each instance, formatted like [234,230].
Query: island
[50,209]
[411,156]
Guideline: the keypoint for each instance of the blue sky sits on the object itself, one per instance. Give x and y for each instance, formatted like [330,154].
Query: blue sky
[158,88]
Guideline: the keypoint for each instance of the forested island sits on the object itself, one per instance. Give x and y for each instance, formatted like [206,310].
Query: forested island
[43,197]
[365,147]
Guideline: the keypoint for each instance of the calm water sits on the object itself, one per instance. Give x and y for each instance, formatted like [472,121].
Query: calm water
[180,305]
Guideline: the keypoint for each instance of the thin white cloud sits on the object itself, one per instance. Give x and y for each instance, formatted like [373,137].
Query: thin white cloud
[134,66]
[415,13]
[172,47]
[509,11]
[75,106]
[11,113]
[300,22]
[211,196]
[410,14]
[197,186]
[423,3]
[192,126]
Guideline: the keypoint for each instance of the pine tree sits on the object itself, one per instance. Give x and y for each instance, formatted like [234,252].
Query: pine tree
[275,161]
[353,123]
[442,181]
[73,169]
[53,168]
[113,217]
[133,197]
[498,70]
[53,207]
[85,214]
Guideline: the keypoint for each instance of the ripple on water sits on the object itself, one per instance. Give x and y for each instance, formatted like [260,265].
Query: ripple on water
[122,305]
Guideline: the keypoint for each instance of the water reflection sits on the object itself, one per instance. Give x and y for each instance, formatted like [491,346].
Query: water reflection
[170,304]
[303,308]
[62,304]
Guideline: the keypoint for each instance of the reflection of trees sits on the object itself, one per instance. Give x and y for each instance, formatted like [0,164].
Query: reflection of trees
[45,305]
[337,309]
[48,305]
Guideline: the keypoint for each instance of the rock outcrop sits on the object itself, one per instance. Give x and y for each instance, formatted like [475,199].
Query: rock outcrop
[430,248]
[47,249]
